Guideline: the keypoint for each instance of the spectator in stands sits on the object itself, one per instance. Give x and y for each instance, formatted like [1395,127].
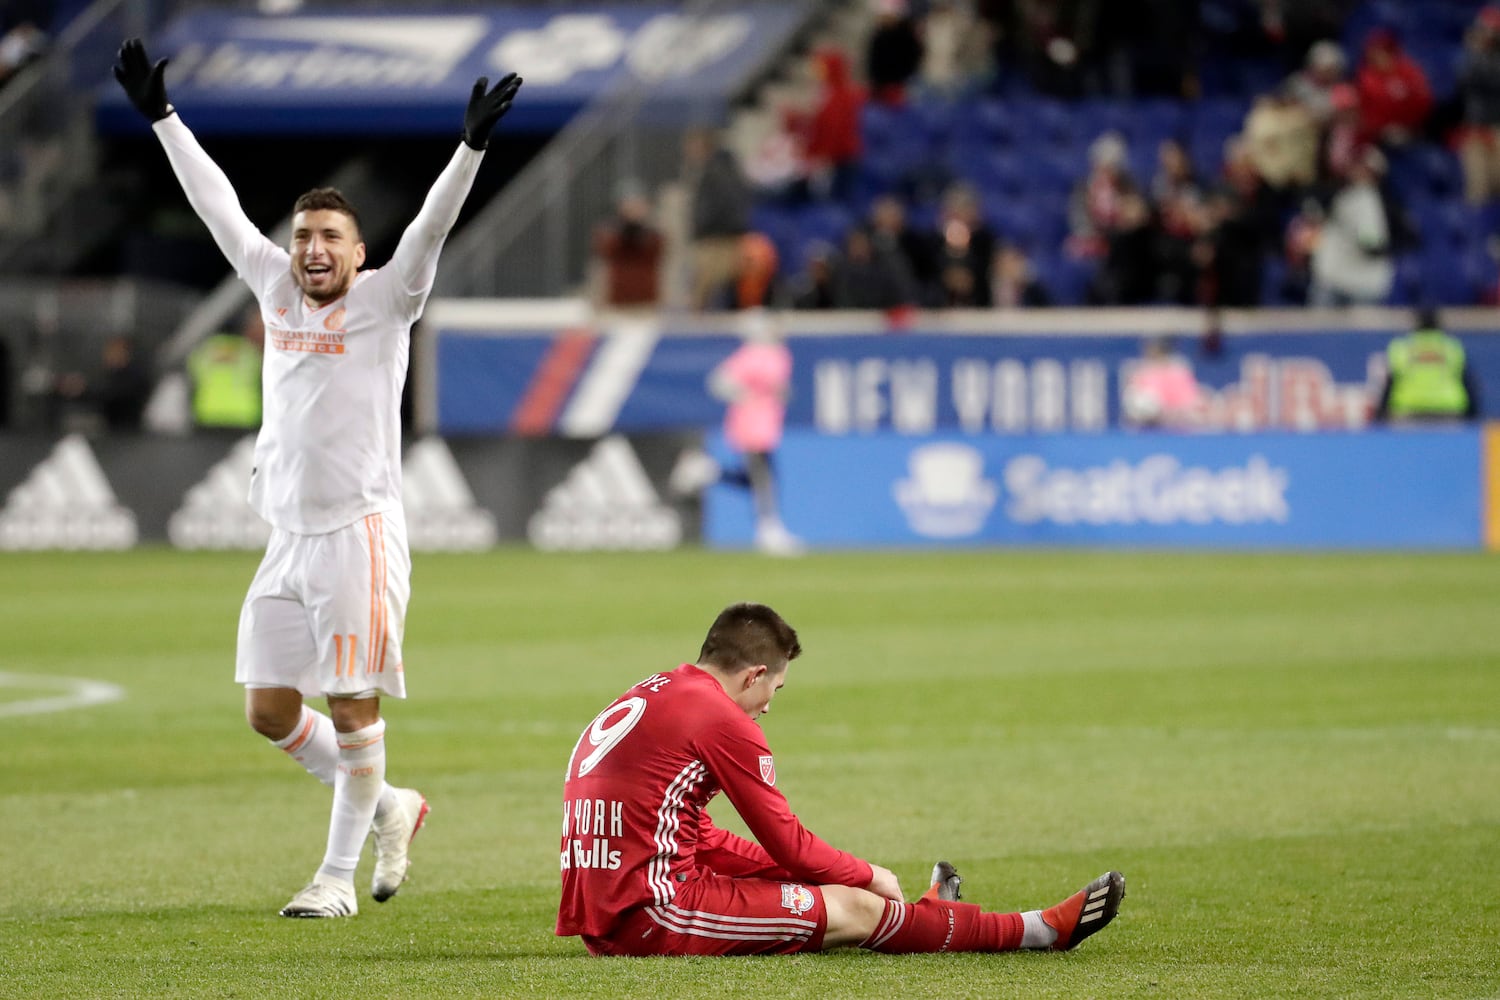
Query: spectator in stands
[1231,250]
[1352,263]
[894,53]
[1055,42]
[954,49]
[1344,142]
[1312,86]
[755,281]
[118,391]
[1281,139]
[966,243]
[1176,180]
[1479,88]
[1298,243]
[1177,200]
[1014,284]
[225,371]
[814,287]
[868,276]
[1394,95]
[777,166]
[832,144]
[1129,272]
[1428,377]
[1095,205]
[628,253]
[891,232]
[720,203]
[1161,390]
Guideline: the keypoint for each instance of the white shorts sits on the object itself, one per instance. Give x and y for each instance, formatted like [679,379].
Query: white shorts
[325,613]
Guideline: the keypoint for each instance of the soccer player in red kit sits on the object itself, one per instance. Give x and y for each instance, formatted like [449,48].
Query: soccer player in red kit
[646,872]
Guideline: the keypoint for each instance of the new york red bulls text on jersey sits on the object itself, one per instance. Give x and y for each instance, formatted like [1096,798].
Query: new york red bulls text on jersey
[635,829]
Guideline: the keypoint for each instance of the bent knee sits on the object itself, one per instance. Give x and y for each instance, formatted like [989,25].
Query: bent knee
[270,724]
[273,713]
[852,915]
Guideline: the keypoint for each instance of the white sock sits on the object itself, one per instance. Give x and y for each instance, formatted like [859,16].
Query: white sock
[356,791]
[314,744]
[1037,933]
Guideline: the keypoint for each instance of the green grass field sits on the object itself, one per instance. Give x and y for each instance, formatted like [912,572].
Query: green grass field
[1294,759]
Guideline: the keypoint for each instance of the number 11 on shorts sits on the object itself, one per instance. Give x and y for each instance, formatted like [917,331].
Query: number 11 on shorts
[343,666]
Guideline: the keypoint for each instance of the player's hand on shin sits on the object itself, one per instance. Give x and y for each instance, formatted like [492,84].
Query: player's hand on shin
[884,883]
[487,107]
[143,80]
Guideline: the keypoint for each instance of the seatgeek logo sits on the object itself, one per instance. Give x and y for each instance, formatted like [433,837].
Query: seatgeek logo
[1158,490]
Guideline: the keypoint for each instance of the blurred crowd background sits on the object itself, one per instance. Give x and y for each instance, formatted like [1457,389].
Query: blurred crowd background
[907,155]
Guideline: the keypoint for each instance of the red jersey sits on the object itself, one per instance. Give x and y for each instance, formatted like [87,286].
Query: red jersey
[635,823]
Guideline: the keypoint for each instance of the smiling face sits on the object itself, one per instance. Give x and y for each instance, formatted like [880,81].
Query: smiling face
[326,254]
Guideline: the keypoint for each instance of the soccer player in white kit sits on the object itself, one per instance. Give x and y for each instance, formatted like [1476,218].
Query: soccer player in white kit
[326,610]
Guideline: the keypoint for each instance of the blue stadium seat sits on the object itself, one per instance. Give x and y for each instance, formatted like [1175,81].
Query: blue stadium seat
[1050,121]
[825,221]
[1160,118]
[996,120]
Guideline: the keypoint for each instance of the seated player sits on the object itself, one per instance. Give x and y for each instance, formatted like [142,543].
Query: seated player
[646,872]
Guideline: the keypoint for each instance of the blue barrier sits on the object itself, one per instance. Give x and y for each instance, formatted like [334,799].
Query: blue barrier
[1381,489]
[394,72]
[920,382]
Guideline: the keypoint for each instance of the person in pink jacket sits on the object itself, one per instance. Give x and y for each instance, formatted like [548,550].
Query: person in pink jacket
[754,382]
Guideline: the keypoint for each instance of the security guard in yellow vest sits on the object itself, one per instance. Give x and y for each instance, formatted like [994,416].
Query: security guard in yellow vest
[1429,378]
[225,370]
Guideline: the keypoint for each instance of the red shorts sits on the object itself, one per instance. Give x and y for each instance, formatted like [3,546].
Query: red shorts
[718,915]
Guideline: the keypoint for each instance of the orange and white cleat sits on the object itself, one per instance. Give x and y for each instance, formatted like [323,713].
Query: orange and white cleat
[1085,912]
[393,833]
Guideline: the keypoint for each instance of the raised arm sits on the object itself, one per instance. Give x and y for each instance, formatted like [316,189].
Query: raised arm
[415,259]
[207,188]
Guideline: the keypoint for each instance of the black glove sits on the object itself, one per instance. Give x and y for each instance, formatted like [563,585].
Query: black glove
[485,109]
[143,81]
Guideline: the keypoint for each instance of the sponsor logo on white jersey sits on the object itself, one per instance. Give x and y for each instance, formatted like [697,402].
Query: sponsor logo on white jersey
[605,502]
[946,495]
[1158,489]
[441,512]
[215,512]
[66,503]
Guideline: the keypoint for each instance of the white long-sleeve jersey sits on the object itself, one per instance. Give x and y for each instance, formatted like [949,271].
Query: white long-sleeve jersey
[329,448]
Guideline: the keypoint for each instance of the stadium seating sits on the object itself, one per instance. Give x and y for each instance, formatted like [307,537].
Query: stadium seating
[1025,152]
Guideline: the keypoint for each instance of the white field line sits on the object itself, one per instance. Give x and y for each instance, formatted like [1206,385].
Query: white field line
[74,692]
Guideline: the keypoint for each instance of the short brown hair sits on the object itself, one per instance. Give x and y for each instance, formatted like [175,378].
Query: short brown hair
[747,635]
[327,199]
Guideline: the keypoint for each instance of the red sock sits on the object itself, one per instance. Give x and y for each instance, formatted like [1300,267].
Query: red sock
[931,924]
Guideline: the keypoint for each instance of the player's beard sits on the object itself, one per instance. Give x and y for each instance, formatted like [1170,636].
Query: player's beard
[331,290]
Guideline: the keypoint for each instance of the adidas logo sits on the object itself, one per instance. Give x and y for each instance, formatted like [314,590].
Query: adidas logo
[441,512]
[1093,907]
[215,513]
[605,502]
[66,503]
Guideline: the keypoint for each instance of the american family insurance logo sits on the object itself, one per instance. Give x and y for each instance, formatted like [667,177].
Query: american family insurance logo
[310,341]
